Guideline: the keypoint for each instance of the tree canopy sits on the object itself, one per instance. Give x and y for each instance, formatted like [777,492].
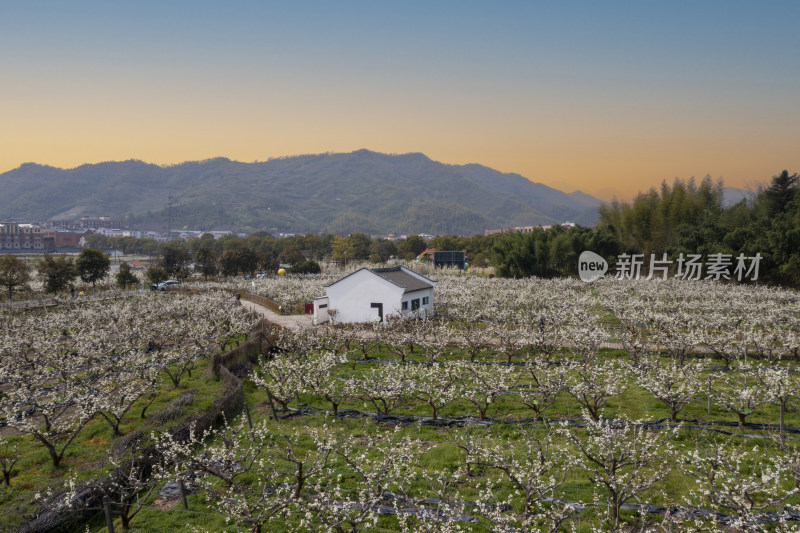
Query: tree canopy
[14,272]
[125,277]
[687,218]
[92,266]
[58,273]
[175,260]
[205,261]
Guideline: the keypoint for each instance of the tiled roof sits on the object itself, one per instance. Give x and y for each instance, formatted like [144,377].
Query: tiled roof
[403,279]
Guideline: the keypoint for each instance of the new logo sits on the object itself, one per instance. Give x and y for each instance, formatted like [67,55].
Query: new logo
[591,266]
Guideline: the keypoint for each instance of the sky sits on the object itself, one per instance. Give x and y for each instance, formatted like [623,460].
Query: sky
[610,97]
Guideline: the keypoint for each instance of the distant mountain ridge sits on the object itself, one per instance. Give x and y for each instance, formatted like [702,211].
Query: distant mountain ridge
[338,193]
[733,195]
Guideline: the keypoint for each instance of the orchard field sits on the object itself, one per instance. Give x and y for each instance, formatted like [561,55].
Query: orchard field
[81,384]
[524,405]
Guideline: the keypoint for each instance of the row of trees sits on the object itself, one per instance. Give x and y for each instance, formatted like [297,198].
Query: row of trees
[691,218]
[257,474]
[685,217]
[65,366]
[59,273]
[436,368]
[261,472]
[232,254]
[274,250]
[178,262]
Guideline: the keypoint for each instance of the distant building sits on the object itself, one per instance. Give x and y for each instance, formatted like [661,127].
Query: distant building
[518,229]
[524,229]
[371,295]
[110,232]
[63,224]
[19,236]
[54,239]
[188,235]
[101,222]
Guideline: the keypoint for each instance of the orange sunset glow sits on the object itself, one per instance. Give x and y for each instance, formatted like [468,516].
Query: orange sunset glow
[607,99]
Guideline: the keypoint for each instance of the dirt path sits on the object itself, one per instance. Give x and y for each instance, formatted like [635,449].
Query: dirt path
[291,322]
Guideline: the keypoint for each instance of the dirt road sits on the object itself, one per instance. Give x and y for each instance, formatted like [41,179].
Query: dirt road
[291,322]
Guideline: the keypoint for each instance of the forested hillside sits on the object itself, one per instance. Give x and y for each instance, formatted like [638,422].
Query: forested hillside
[339,193]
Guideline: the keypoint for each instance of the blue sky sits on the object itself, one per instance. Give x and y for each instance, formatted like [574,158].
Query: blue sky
[608,97]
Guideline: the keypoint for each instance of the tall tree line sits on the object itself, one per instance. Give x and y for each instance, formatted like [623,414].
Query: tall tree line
[663,220]
[690,218]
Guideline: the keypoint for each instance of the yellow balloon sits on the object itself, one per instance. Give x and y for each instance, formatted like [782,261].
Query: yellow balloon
[281,272]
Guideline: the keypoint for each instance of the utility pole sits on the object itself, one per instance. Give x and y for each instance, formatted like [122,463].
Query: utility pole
[170,199]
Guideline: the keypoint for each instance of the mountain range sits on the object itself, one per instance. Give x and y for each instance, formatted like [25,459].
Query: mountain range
[337,193]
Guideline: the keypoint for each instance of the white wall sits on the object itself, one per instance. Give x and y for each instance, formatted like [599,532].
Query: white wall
[425,310]
[351,297]
[321,310]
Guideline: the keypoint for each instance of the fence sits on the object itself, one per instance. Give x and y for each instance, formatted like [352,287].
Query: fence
[263,338]
[90,494]
[270,304]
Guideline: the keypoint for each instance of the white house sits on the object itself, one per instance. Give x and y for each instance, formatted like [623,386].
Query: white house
[372,294]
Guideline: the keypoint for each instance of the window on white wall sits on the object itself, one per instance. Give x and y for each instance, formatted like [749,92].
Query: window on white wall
[425,300]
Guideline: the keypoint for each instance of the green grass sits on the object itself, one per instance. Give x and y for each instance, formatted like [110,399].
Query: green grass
[86,457]
[441,455]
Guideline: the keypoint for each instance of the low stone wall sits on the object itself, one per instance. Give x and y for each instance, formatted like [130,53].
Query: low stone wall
[270,304]
[262,340]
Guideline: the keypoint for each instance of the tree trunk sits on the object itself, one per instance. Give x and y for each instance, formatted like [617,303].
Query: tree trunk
[113,423]
[271,404]
[148,404]
[783,426]
[299,485]
[51,450]
[615,505]
[124,518]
